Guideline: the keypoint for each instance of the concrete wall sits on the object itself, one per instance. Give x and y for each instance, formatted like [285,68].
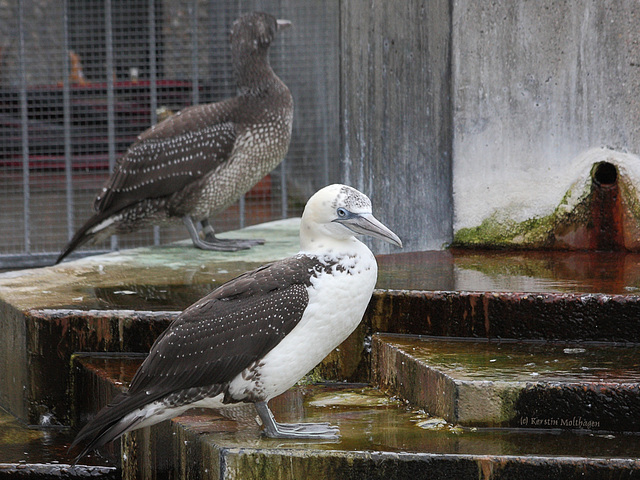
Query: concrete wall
[396,115]
[498,129]
[536,85]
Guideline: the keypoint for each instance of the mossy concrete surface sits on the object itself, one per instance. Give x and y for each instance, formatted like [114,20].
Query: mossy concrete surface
[577,220]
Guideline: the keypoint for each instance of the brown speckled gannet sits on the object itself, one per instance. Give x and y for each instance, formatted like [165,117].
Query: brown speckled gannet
[201,160]
[254,337]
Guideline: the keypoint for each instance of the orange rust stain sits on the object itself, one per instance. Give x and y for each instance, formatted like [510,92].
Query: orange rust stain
[604,223]
[485,304]
[473,300]
[607,218]
[486,466]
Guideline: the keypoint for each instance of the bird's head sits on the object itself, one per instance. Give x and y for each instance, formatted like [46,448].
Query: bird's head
[336,214]
[253,33]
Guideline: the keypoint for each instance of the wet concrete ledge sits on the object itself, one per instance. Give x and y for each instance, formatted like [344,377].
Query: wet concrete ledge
[382,437]
[122,301]
[114,302]
[19,471]
[591,387]
[247,463]
[165,277]
[40,342]
[38,356]
[525,316]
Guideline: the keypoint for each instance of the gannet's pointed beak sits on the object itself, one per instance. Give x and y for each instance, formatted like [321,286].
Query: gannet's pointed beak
[282,23]
[367,224]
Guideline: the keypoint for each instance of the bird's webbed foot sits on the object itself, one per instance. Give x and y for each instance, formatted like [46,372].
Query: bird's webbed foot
[323,431]
[273,429]
[210,237]
[211,242]
[237,242]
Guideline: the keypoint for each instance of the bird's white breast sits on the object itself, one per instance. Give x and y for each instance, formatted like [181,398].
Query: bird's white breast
[338,299]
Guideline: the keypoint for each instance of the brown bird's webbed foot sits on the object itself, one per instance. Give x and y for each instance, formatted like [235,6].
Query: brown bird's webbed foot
[211,242]
[273,429]
[242,243]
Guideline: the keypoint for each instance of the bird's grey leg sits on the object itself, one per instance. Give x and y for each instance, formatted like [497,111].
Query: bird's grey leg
[205,245]
[210,237]
[274,429]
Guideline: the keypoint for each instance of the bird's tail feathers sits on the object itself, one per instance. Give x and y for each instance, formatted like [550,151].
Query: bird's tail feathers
[109,434]
[94,229]
[112,421]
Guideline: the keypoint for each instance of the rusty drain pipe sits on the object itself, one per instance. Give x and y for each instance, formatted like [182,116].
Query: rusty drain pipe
[606,209]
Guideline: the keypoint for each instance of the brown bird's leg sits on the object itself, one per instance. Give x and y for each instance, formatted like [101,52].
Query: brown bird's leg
[211,242]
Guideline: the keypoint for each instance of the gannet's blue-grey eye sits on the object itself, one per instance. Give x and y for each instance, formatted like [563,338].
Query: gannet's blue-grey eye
[342,212]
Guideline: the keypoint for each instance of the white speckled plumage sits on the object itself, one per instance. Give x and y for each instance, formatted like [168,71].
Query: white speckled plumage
[321,329]
[255,336]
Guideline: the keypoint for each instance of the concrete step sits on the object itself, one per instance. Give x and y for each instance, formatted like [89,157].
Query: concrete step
[114,302]
[122,301]
[29,471]
[382,438]
[35,352]
[581,296]
[530,385]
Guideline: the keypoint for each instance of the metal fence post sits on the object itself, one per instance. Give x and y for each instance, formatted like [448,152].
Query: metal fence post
[66,112]
[111,127]
[153,87]
[24,113]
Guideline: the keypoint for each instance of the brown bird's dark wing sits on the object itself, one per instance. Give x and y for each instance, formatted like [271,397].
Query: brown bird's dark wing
[171,155]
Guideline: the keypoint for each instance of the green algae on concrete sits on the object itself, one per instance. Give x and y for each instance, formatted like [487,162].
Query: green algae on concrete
[570,225]
[14,435]
[497,232]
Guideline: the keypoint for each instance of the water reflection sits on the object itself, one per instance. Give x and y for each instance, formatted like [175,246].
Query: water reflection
[449,270]
[512,271]
[520,361]
[23,444]
[388,425]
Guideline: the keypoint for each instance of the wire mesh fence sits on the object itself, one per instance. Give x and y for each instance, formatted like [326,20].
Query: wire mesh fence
[80,79]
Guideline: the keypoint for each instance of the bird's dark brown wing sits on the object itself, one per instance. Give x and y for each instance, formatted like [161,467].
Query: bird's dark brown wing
[219,336]
[171,155]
